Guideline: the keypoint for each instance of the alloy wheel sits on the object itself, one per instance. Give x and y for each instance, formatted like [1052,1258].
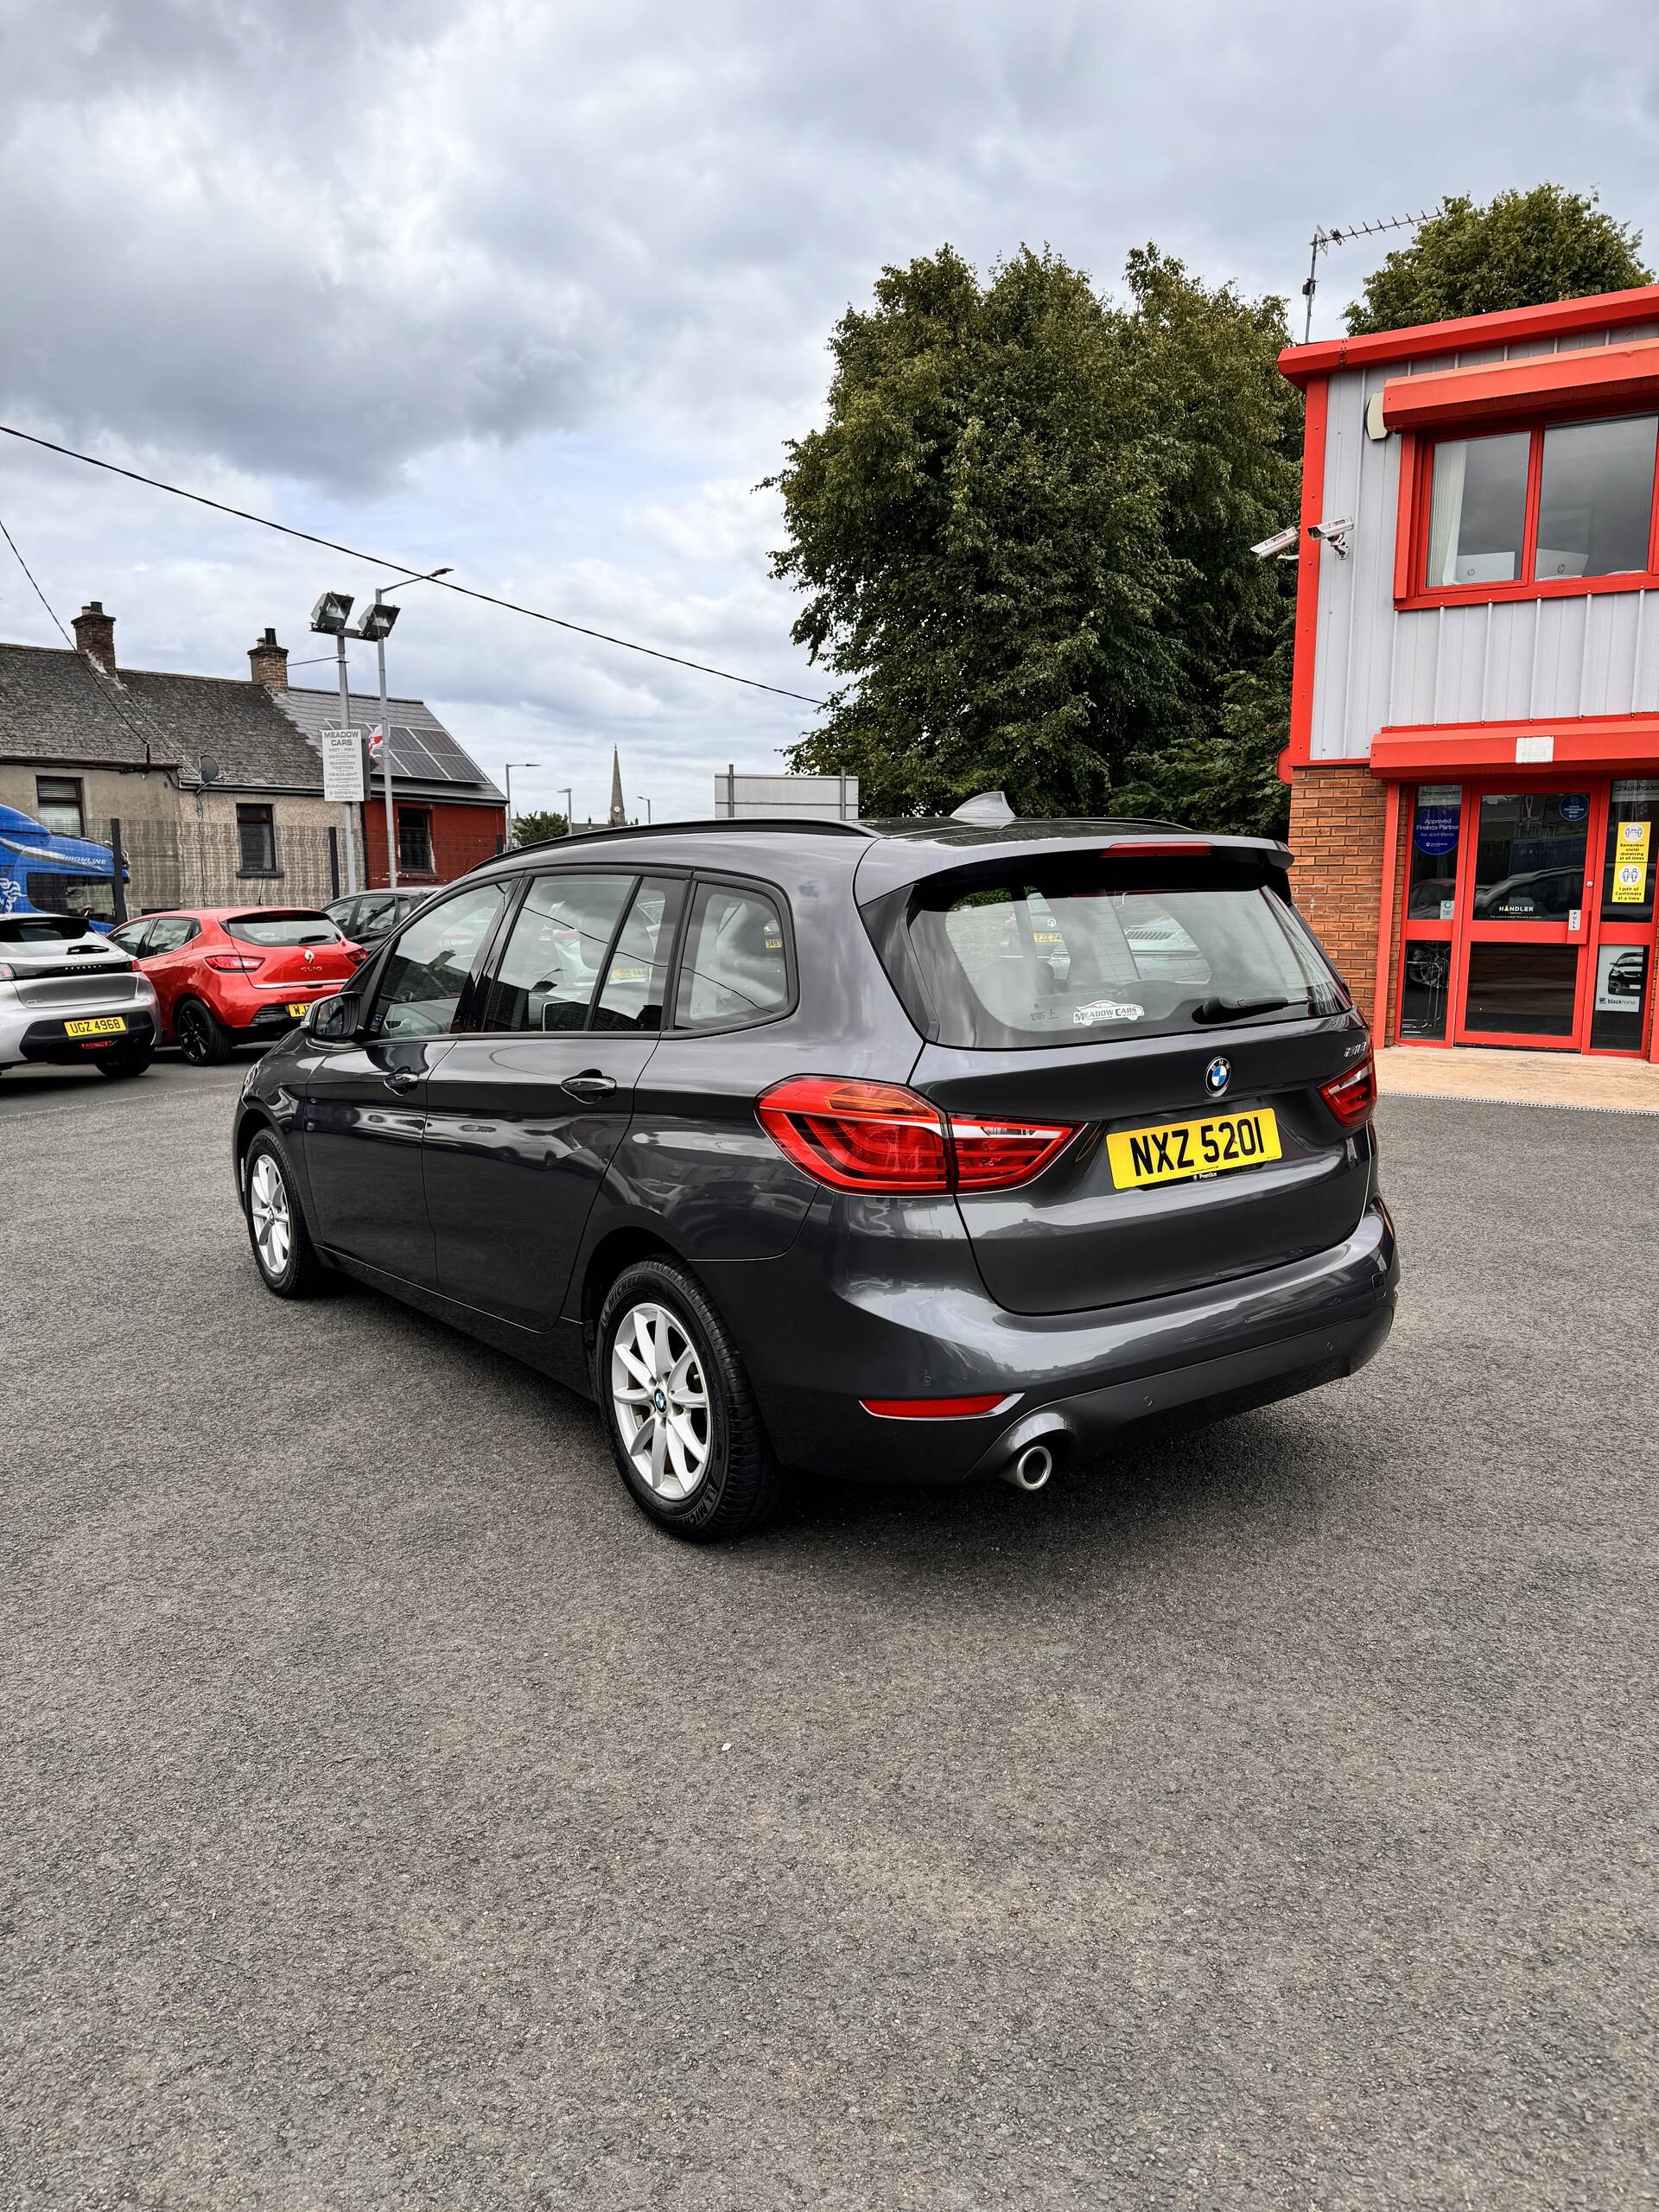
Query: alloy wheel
[192,1035]
[273,1224]
[660,1398]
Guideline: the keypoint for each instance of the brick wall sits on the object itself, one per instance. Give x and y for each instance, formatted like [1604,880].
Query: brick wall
[1337,819]
[461,836]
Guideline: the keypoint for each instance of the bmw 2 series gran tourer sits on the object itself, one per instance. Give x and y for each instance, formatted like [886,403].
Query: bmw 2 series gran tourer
[917,1152]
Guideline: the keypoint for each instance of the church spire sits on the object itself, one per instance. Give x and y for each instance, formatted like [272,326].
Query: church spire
[619,811]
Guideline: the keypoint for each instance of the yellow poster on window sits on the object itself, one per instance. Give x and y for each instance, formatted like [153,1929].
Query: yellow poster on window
[1630,863]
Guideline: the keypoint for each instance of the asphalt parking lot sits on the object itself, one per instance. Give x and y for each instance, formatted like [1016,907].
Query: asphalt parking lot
[393,1818]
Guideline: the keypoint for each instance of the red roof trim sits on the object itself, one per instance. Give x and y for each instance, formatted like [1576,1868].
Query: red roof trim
[1627,372]
[1598,311]
[1609,742]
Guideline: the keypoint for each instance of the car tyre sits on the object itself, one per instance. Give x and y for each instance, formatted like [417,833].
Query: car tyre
[684,1429]
[282,1250]
[118,1065]
[202,1038]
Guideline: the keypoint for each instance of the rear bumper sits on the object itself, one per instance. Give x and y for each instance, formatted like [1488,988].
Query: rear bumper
[44,1038]
[827,1324]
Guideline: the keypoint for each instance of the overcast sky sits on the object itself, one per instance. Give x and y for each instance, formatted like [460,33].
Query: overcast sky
[539,290]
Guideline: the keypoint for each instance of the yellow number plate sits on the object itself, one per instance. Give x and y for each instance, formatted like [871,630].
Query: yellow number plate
[297,1007]
[104,1024]
[1180,1150]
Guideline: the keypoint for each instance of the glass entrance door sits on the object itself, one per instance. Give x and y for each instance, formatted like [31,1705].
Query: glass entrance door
[1529,916]
[1525,925]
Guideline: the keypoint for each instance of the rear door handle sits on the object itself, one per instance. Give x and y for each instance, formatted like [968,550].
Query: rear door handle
[404,1078]
[588,1086]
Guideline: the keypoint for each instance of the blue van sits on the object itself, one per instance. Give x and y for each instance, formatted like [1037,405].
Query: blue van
[41,872]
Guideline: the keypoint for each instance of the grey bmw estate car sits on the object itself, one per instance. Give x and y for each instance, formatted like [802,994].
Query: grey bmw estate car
[917,1152]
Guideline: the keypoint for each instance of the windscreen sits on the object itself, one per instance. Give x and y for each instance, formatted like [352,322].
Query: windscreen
[282,929]
[1084,953]
[41,929]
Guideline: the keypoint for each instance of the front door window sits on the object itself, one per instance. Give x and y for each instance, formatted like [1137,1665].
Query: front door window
[1529,855]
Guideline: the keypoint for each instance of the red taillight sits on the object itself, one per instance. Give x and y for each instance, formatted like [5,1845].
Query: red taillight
[938,1408]
[856,1135]
[1351,1096]
[1157,849]
[235,963]
[354,953]
[991,1155]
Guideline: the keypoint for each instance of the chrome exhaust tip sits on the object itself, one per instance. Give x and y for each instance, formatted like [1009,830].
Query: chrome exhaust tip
[1029,1470]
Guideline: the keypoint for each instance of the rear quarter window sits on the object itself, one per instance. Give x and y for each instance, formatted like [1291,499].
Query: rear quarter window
[735,968]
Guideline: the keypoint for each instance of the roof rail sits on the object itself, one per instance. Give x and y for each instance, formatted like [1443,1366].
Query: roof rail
[809,823]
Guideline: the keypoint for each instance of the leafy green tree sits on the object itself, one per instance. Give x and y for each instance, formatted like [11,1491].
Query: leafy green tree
[1522,250]
[1023,531]
[537,828]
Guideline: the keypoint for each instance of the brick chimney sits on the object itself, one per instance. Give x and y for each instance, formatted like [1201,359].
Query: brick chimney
[95,635]
[268,662]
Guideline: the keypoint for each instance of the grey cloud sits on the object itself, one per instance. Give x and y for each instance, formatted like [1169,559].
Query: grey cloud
[617,239]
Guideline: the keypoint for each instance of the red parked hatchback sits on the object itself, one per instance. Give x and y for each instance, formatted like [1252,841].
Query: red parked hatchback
[225,976]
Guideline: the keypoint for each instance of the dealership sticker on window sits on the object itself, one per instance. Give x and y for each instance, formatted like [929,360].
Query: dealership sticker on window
[1630,864]
[1107,1010]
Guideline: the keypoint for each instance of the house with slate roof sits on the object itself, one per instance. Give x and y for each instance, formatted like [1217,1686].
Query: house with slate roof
[213,784]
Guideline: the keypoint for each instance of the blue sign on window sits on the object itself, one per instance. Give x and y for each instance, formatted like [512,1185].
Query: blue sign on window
[1574,806]
[1434,829]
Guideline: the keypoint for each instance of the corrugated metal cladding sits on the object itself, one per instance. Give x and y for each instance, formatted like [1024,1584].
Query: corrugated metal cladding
[1508,662]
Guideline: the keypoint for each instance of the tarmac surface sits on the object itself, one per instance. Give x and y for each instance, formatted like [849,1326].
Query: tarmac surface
[389,1817]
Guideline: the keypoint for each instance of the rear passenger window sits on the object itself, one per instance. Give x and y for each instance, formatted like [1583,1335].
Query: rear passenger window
[735,967]
[546,977]
[638,974]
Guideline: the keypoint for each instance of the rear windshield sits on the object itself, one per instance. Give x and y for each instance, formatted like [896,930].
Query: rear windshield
[1072,958]
[282,929]
[41,929]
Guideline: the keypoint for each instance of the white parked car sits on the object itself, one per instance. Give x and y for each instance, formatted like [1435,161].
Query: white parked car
[68,994]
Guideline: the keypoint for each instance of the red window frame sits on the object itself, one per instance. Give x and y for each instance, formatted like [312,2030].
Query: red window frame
[1416,490]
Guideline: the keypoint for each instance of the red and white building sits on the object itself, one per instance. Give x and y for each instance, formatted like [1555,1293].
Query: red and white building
[1474,743]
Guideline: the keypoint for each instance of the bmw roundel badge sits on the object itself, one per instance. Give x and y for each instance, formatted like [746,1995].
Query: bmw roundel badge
[1218,1076]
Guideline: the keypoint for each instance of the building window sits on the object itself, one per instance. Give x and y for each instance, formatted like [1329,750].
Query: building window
[256,838]
[58,805]
[415,840]
[1587,489]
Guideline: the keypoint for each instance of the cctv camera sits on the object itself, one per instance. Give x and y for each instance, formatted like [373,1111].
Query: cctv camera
[1333,534]
[1279,545]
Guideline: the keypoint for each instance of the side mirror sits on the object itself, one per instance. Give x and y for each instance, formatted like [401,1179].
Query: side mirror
[332,1021]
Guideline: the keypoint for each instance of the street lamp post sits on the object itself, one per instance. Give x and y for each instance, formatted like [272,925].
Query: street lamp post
[570,811]
[645,803]
[510,765]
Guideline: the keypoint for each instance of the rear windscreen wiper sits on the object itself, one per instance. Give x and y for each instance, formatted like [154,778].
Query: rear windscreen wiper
[1235,1009]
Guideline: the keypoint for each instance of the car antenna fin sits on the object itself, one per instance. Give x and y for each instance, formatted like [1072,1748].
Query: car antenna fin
[990,810]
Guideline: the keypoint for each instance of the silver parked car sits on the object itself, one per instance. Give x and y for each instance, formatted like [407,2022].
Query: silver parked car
[68,995]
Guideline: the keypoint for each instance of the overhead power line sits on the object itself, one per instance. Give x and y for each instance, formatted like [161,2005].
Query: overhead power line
[106,690]
[380,560]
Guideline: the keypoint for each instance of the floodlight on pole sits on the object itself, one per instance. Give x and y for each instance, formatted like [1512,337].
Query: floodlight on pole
[331,613]
[374,626]
[329,617]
